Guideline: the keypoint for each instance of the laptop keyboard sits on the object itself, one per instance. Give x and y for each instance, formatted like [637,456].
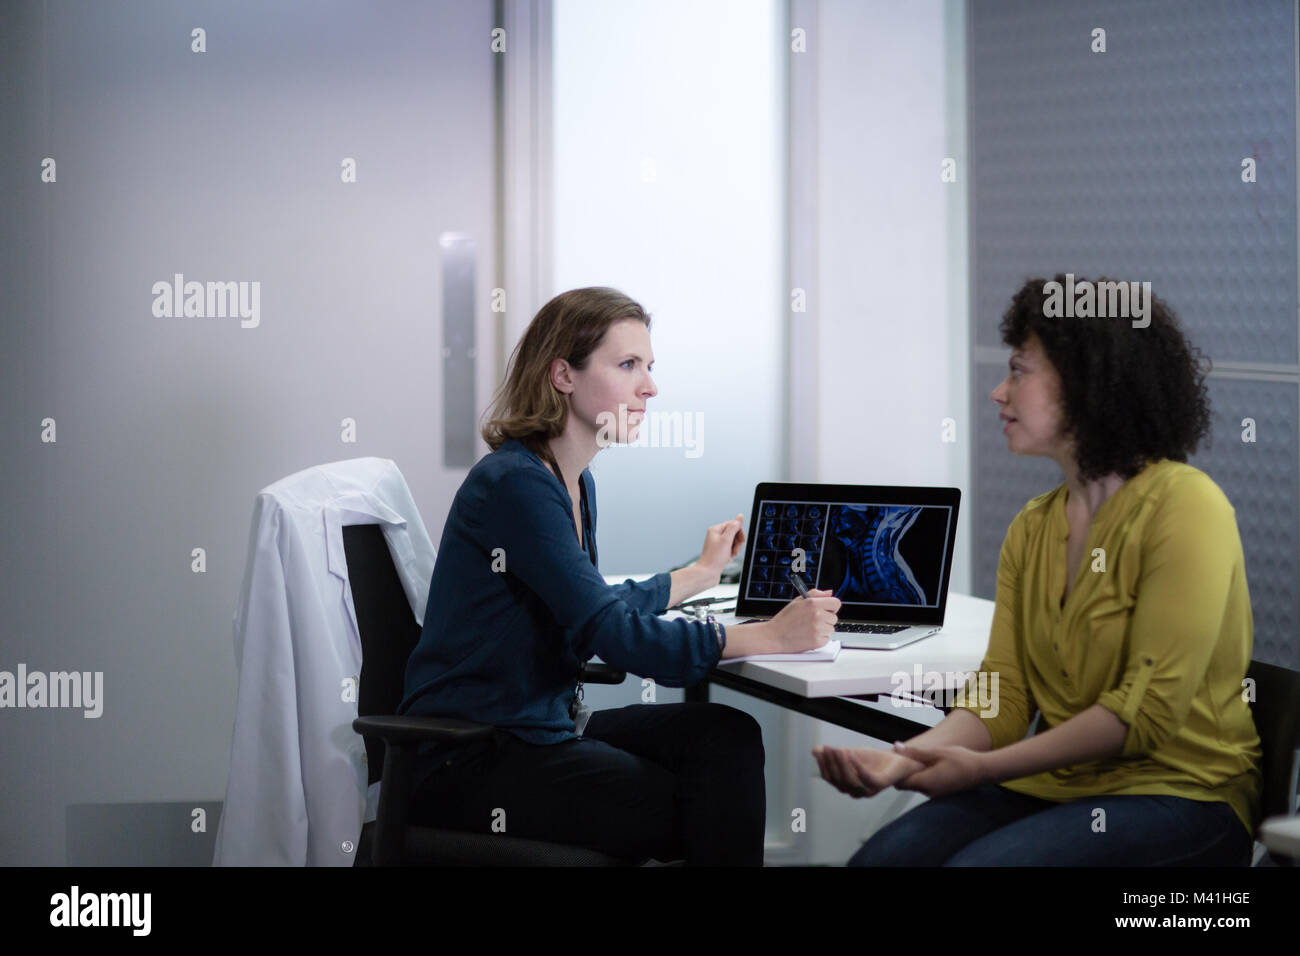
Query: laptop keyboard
[854,627]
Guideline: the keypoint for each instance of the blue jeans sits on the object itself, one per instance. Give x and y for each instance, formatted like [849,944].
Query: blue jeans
[993,826]
[668,781]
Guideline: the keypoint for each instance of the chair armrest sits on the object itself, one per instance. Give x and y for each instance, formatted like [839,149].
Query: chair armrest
[400,736]
[408,729]
[600,673]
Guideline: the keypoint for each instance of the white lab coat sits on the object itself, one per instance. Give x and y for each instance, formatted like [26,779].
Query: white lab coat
[297,792]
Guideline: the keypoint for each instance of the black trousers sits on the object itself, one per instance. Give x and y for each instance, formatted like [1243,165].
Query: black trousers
[663,781]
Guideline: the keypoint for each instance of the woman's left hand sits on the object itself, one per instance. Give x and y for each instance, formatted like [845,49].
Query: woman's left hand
[947,770]
[722,542]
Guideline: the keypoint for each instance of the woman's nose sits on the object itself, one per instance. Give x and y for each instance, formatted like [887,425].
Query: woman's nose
[999,394]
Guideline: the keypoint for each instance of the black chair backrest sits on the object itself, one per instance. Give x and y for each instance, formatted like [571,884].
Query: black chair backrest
[1276,710]
[388,630]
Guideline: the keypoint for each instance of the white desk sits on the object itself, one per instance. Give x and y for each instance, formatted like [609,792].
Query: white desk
[819,688]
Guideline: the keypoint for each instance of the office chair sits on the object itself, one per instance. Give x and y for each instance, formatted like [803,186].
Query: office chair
[388,635]
[1276,709]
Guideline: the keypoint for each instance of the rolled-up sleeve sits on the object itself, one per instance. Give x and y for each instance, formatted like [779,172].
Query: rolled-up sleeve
[650,595]
[1007,718]
[530,521]
[1189,554]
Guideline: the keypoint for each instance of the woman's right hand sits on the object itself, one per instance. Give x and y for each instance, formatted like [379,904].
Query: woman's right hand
[805,623]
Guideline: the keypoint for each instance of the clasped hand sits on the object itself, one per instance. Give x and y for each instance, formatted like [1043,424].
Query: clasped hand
[933,771]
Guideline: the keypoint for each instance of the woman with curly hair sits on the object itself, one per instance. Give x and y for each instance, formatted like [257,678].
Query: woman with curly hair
[1123,618]
[517,606]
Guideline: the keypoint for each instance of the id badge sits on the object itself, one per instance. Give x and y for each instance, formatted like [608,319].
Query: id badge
[580,718]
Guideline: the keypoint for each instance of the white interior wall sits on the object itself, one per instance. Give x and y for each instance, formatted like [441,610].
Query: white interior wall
[892,356]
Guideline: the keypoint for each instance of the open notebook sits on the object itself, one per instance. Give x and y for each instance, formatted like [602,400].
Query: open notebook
[827,652]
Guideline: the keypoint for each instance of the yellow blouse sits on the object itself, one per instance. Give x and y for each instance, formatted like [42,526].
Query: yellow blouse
[1157,629]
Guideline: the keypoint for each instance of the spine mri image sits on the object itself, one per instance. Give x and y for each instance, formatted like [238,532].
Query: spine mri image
[865,554]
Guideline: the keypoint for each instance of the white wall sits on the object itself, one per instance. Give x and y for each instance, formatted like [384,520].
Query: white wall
[668,185]
[224,165]
[888,376]
[892,332]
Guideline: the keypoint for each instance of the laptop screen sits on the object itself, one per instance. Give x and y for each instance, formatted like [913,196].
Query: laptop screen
[886,553]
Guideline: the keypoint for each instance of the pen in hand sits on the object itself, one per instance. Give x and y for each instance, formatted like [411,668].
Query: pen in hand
[797,580]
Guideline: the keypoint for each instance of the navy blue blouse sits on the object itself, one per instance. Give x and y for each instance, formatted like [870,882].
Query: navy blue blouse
[516,605]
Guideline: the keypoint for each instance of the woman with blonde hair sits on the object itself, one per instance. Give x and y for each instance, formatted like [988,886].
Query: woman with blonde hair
[517,606]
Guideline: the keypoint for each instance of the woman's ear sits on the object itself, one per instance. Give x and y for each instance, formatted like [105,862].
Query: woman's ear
[561,376]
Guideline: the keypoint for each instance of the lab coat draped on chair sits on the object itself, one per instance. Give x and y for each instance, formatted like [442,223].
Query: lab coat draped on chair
[297,792]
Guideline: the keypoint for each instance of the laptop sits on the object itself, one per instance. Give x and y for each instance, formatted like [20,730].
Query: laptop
[885,552]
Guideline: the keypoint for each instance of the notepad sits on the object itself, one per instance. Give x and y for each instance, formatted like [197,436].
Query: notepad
[827,652]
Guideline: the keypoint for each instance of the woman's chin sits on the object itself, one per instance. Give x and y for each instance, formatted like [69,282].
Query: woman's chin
[617,438]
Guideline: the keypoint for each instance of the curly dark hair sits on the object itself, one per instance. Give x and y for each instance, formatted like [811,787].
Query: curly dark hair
[1130,395]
